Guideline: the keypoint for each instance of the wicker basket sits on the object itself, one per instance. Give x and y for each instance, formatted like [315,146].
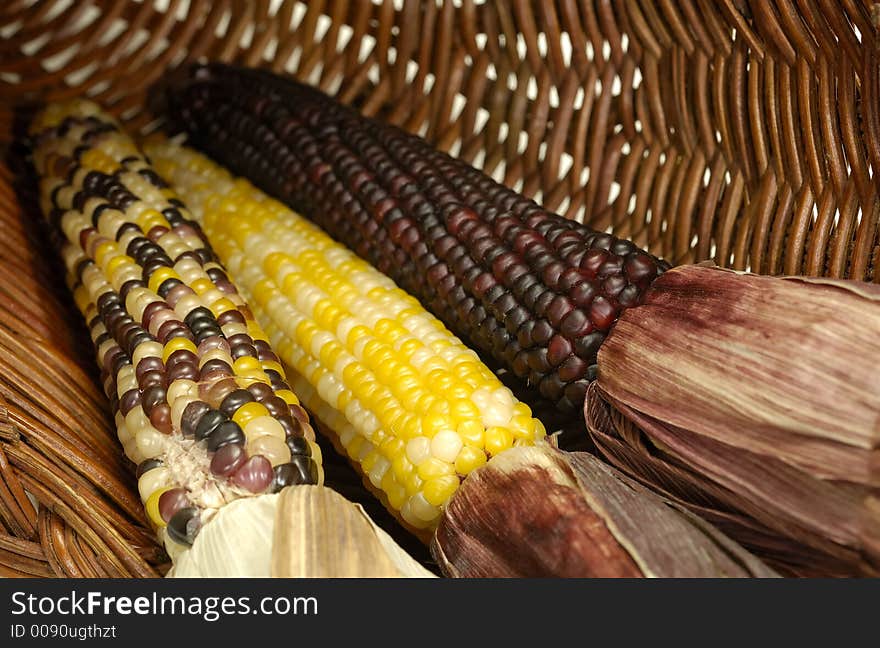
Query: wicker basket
[745,132]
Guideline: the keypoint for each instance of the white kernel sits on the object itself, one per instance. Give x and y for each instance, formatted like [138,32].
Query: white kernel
[418,449]
[149,441]
[446,445]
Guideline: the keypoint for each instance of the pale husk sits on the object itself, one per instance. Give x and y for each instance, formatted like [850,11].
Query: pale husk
[301,532]
[754,401]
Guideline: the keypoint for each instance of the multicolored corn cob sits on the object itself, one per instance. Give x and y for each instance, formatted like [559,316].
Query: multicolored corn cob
[536,291]
[413,407]
[200,399]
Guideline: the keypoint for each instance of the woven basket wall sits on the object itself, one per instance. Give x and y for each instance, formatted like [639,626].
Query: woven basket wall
[744,132]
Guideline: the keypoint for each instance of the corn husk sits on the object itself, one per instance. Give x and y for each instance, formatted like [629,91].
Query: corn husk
[753,400]
[539,512]
[301,532]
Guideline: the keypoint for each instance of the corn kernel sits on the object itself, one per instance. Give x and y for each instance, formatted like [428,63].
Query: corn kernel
[439,489]
[248,412]
[469,459]
[498,439]
[433,467]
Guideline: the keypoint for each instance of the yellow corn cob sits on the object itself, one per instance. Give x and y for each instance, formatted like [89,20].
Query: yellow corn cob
[413,407]
[200,400]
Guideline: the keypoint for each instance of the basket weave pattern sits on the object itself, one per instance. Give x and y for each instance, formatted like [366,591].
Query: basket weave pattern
[743,132]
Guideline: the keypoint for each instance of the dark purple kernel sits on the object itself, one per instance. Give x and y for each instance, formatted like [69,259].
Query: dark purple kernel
[297,472]
[191,416]
[182,356]
[171,501]
[254,475]
[225,433]
[582,294]
[160,418]
[214,367]
[542,331]
[276,405]
[292,425]
[558,349]
[592,261]
[588,345]
[182,371]
[575,324]
[612,266]
[234,400]
[146,466]
[208,422]
[613,285]
[639,267]
[572,369]
[559,309]
[542,303]
[261,391]
[149,363]
[602,313]
[150,378]
[299,446]
[240,338]
[151,397]
[228,459]
[629,296]
[129,400]
[184,526]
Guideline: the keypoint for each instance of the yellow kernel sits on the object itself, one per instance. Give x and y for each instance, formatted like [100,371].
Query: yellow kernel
[521,409]
[540,430]
[176,344]
[274,261]
[413,483]
[440,407]
[221,306]
[463,409]
[433,467]
[249,411]
[247,378]
[498,439]
[117,262]
[439,489]
[469,459]
[392,447]
[402,467]
[104,249]
[354,446]
[202,285]
[246,364]
[434,423]
[369,461]
[355,334]
[274,366]
[395,492]
[522,427]
[151,507]
[287,396]
[330,353]
[159,275]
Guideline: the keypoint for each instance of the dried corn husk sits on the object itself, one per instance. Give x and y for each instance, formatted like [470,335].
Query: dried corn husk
[754,401]
[539,511]
[301,532]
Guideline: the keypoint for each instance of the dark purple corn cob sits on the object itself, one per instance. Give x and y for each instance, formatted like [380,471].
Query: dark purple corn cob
[535,290]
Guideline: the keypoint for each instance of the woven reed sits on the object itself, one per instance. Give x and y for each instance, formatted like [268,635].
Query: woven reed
[745,132]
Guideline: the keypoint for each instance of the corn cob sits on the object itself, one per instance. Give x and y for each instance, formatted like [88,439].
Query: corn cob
[201,401]
[411,404]
[536,291]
